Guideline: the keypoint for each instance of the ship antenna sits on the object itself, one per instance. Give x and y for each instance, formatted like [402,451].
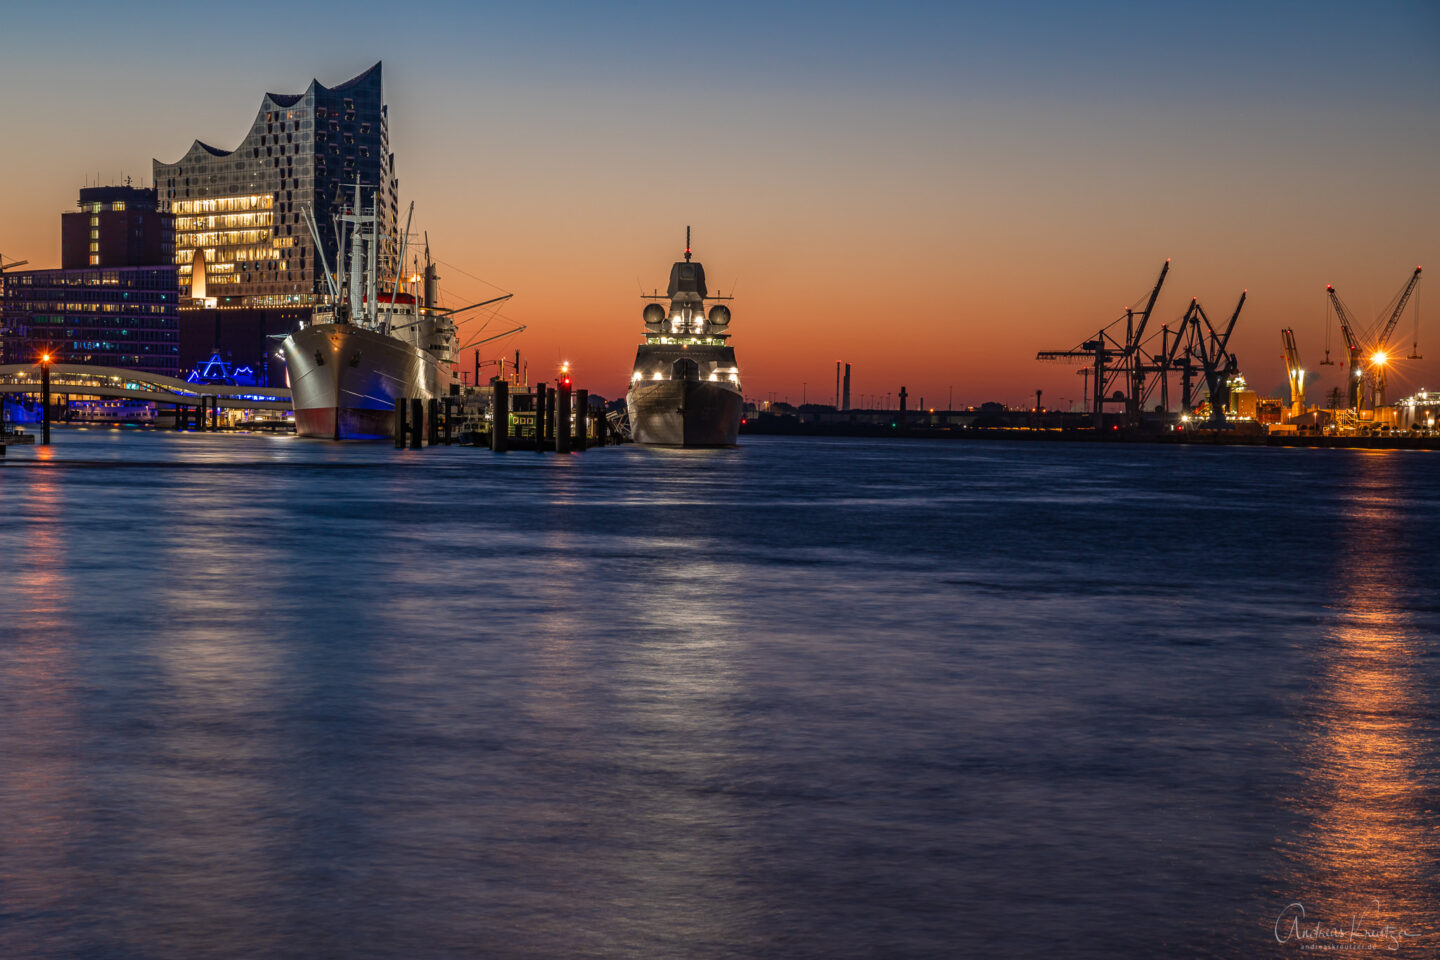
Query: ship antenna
[687,243]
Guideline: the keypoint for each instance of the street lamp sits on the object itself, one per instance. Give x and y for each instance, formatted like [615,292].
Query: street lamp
[45,398]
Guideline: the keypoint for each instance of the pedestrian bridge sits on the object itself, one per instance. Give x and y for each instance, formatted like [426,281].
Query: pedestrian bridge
[81,380]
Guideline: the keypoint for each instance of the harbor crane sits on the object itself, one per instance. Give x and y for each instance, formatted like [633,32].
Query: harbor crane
[1355,370]
[1381,357]
[1141,366]
[1293,372]
[1117,362]
[1200,340]
[1379,353]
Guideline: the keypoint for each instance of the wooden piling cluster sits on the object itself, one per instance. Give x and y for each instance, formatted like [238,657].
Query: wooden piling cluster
[201,416]
[549,418]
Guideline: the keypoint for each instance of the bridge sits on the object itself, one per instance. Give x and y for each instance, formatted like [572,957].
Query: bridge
[80,380]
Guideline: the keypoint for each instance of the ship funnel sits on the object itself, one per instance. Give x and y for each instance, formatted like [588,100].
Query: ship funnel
[432,286]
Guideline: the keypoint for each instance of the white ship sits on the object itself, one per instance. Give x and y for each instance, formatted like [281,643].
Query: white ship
[375,346]
[685,388]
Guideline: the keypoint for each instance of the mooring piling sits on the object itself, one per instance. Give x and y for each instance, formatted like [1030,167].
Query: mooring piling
[562,421]
[582,414]
[500,414]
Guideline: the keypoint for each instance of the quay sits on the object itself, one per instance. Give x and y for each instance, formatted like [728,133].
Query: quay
[897,427]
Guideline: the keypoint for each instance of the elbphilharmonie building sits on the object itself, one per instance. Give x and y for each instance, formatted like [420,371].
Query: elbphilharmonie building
[241,241]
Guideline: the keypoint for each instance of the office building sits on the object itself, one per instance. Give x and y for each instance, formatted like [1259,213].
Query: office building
[114,300]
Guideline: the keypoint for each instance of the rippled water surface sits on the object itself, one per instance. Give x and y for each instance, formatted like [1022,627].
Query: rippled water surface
[266,697]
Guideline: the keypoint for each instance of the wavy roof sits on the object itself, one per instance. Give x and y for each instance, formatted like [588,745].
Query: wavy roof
[286,100]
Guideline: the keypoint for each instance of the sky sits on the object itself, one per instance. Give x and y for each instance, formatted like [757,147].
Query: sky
[932,192]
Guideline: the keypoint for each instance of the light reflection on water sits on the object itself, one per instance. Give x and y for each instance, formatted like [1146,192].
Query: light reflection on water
[1368,854]
[260,697]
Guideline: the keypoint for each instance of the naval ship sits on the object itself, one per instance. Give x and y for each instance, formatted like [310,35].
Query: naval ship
[685,389]
[374,346]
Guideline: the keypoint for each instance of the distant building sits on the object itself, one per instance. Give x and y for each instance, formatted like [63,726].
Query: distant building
[114,301]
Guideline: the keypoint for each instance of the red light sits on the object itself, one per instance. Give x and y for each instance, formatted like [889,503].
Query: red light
[743,421]
[1114,428]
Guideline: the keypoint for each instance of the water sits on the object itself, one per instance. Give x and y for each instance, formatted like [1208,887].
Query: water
[264,697]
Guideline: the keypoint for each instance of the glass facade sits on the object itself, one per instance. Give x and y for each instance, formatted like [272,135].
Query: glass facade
[240,234]
[123,317]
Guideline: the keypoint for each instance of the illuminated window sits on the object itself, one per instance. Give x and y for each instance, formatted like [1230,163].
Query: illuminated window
[94,259]
[118,205]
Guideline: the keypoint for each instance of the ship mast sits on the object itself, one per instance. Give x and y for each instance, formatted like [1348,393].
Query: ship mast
[356,258]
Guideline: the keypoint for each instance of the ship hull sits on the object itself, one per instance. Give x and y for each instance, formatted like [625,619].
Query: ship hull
[684,413]
[344,380]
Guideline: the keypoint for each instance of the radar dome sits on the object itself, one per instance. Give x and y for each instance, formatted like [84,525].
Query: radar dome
[719,315]
[654,314]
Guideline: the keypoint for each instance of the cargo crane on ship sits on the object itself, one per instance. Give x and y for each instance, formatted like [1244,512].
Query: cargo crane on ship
[1377,349]
[1135,363]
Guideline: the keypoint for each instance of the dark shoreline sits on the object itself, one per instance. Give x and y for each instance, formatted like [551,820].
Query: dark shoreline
[791,428]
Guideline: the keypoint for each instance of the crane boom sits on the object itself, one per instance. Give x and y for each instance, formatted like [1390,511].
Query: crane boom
[1404,298]
[1293,372]
[1150,304]
[1230,327]
[1355,383]
[1347,325]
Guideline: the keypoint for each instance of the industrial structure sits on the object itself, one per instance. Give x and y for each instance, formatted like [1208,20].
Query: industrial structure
[1369,353]
[1132,365]
[1129,366]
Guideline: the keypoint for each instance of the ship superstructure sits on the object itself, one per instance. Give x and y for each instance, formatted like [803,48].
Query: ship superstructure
[377,344]
[685,388]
